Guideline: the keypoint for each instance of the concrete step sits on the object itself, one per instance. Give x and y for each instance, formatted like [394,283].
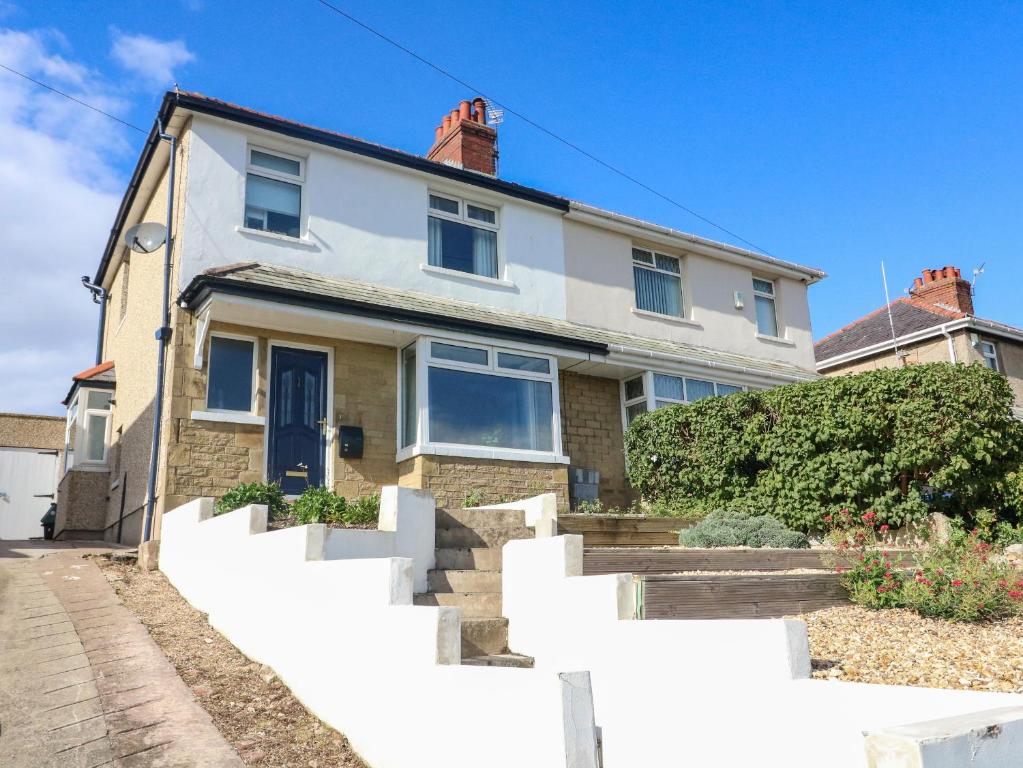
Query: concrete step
[466,558]
[464,581]
[500,660]
[496,536]
[484,637]
[474,605]
[479,518]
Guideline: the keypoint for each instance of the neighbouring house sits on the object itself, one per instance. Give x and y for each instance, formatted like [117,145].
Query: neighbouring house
[350,315]
[30,457]
[934,323]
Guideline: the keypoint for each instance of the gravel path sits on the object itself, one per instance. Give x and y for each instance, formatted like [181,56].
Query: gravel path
[899,647]
[256,713]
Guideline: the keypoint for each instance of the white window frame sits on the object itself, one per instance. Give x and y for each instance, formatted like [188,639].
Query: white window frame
[425,360]
[462,217]
[990,358]
[255,372]
[683,304]
[773,297]
[270,173]
[81,422]
[650,398]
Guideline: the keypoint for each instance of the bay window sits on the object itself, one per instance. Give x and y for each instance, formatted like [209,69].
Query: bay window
[649,391]
[87,430]
[479,401]
[462,236]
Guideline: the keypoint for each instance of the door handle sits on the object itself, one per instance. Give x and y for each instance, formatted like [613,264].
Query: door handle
[324,424]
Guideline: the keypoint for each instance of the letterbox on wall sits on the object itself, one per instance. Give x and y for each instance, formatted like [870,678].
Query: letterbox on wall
[349,441]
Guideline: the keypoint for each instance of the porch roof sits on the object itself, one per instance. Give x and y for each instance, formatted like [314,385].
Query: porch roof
[294,286]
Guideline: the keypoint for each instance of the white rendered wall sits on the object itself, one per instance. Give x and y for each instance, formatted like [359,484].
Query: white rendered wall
[364,220]
[345,638]
[601,292]
[705,693]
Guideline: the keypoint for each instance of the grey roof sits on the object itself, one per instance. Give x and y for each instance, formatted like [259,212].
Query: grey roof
[286,283]
[908,317]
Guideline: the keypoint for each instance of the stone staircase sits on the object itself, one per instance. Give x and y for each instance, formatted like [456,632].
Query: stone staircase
[468,576]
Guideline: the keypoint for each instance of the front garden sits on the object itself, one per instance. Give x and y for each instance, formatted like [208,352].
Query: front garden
[315,505]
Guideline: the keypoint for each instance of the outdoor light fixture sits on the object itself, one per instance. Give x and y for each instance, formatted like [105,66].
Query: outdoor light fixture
[145,237]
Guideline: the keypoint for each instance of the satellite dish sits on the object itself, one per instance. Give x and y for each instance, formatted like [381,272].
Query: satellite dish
[145,237]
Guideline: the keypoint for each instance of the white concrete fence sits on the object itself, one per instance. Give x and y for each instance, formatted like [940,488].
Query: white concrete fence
[331,611]
[344,636]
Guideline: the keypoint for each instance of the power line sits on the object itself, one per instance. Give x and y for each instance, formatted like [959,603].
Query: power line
[72,98]
[536,125]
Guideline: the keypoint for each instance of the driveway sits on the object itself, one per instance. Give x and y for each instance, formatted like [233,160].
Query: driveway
[82,684]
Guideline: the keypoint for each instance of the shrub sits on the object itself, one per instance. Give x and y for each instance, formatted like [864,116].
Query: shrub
[319,505]
[899,442]
[363,510]
[254,493]
[323,505]
[731,529]
[867,572]
[958,580]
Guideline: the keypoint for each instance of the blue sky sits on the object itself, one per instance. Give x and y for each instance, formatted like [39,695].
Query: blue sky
[830,134]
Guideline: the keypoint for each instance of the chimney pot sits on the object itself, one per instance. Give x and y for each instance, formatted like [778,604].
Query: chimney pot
[464,140]
[944,289]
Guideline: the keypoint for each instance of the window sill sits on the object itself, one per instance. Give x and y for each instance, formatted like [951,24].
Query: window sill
[301,242]
[776,340]
[668,318]
[229,418]
[480,452]
[456,274]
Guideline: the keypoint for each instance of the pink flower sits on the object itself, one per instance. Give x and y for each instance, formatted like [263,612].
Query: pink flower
[868,516]
[1015,594]
[884,528]
[957,582]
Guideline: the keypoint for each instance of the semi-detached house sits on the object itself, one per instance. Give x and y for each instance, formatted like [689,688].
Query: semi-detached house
[354,316]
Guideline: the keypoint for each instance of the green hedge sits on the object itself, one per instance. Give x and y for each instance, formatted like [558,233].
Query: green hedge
[899,441]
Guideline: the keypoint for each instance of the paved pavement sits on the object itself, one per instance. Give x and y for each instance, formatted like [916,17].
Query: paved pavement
[82,684]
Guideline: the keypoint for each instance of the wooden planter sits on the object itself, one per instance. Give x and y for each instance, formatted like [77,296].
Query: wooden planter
[623,530]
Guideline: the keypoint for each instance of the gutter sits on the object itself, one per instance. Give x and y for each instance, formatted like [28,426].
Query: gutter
[645,354]
[909,338]
[202,286]
[629,224]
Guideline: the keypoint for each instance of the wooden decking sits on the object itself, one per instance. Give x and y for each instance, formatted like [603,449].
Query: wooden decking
[666,560]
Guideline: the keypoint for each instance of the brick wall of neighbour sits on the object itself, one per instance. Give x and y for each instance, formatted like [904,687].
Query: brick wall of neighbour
[591,428]
[81,505]
[453,479]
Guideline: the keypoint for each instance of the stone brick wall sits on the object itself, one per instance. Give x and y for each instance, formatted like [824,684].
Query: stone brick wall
[452,479]
[591,428]
[206,458]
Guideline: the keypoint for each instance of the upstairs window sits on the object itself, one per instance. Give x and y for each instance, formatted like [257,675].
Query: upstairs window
[273,193]
[231,375]
[658,282]
[990,354]
[462,236]
[767,315]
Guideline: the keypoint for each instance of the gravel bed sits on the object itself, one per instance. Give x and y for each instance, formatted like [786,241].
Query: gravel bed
[899,647]
[254,711]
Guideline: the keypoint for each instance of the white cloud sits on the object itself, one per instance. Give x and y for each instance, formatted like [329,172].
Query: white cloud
[152,60]
[59,189]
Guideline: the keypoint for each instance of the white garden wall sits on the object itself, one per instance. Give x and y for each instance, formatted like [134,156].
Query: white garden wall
[344,636]
[721,693]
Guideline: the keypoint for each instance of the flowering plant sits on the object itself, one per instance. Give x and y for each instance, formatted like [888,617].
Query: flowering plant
[960,580]
[866,570]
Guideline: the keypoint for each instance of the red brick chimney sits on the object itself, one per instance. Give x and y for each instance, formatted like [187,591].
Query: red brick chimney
[944,288]
[464,140]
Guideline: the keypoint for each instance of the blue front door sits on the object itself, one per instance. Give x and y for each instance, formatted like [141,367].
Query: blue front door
[297,444]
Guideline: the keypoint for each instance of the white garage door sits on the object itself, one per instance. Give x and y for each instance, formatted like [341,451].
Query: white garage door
[28,478]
